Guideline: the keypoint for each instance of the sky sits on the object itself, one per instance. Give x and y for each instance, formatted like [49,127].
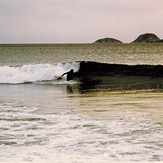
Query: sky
[78,21]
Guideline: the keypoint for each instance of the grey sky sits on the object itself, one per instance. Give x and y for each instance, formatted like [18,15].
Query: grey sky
[70,21]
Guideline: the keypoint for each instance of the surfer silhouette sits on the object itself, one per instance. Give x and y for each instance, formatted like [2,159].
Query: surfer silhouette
[70,74]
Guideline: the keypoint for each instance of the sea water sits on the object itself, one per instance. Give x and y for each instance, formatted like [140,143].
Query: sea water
[43,119]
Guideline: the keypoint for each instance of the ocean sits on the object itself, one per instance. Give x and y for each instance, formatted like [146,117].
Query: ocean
[43,119]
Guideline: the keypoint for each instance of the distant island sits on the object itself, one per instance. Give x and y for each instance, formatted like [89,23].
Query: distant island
[143,38]
[108,40]
[147,38]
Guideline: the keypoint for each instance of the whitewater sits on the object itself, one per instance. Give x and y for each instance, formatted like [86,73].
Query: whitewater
[34,73]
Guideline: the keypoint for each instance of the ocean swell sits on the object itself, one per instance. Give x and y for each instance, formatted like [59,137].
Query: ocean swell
[120,76]
[106,69]
[87,72]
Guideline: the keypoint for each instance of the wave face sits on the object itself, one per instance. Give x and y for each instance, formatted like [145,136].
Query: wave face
[34,73]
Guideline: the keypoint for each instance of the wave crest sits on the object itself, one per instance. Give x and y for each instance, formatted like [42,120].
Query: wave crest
[34,73]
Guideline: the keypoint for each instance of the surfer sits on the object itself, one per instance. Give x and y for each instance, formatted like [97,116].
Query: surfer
[70,74]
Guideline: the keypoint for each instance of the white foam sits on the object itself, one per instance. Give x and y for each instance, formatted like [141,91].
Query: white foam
[33,73]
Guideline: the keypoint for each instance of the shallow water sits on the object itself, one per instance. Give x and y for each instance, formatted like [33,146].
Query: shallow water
[48,121]
[45,122]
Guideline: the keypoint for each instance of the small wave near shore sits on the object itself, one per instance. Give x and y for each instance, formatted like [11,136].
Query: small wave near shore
[88,72]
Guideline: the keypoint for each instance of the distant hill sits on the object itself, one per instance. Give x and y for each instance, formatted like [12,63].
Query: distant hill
[147,38]
[143,38]
[108,40]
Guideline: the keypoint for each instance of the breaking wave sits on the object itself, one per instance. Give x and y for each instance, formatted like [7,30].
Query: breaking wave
[34,72]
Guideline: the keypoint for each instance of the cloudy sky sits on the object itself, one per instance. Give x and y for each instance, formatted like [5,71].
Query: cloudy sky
[78,21]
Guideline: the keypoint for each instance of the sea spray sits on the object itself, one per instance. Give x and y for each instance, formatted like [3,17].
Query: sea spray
[34,72]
